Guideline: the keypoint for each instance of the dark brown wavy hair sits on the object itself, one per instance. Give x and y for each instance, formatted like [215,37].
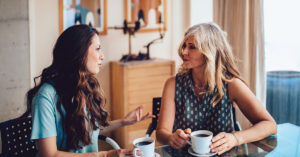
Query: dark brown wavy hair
[77,89]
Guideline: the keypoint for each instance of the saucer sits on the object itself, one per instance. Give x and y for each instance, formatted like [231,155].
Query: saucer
[190,150]
[156,155]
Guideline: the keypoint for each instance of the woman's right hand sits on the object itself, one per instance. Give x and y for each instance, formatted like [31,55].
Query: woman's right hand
[178,139]
[122,153]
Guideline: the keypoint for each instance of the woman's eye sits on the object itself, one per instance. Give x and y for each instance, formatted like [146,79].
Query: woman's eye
[98,48]
[183,46]
[192,47]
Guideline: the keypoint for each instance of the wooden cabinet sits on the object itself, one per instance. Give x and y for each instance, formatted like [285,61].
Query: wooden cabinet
[135,83]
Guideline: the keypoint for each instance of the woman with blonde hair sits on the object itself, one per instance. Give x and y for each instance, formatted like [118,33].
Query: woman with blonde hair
[203,92]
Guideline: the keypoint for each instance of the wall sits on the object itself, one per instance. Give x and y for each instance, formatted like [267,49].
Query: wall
[43,33]
[14,57]
[201,11]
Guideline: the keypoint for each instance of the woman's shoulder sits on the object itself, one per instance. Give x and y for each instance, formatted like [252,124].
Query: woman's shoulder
[170,80]
[47,89]
[235,83]
[45,99]
[235,87]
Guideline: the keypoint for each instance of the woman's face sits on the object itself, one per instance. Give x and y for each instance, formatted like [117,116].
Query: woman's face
[191,56]
[95,56]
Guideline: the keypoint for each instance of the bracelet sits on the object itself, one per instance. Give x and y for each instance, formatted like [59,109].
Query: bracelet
[237,141]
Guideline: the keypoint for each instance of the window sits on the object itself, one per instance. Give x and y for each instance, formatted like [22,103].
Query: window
[282,47]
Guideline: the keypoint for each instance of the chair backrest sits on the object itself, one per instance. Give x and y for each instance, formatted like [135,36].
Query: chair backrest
[237,126]
[15,137]
[110,141]
[156,102]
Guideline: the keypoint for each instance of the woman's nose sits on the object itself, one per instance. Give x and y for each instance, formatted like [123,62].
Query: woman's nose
[101,56]
[185,51]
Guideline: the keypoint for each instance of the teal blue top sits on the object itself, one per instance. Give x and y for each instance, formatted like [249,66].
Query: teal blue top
[198,114]
[47,121]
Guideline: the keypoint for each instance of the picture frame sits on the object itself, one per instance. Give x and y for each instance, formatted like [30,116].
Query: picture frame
[90,12]
[152,14]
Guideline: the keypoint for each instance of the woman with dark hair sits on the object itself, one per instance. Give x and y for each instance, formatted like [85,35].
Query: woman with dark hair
[67,104]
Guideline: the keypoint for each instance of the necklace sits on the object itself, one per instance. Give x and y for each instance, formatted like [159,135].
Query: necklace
[200,88]
[201,91]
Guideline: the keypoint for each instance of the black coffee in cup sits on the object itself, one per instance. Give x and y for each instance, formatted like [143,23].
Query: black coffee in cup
[143,143]
[201,135]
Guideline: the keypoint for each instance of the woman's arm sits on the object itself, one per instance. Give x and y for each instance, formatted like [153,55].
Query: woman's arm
[112,126]
[167,112]
[131,118]
[166,119]
[47,148]
[263,123]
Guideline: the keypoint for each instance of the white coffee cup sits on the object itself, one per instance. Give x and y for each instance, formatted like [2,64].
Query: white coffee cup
[144,144]
[200,141]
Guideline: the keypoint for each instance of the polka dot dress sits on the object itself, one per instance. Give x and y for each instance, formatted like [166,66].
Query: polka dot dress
[195,113]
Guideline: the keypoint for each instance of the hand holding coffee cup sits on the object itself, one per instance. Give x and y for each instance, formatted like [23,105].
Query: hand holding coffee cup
[223,142]
[178,139]
[200,141]
[144,144]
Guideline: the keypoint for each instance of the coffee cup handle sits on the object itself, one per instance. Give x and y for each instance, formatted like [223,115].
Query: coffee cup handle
[134,152]
[189,142]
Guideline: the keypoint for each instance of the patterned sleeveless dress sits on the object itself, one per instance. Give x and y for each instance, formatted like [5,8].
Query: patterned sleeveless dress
[195,113]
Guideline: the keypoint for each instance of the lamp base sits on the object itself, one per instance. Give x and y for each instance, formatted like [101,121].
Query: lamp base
[139,57]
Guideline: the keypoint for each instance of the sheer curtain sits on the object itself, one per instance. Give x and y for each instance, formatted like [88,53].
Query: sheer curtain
[243,22]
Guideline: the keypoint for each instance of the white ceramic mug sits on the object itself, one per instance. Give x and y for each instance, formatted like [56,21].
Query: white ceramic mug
[200,144]
[146,149]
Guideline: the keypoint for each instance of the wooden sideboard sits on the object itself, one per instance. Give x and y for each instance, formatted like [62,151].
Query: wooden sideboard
[135,83]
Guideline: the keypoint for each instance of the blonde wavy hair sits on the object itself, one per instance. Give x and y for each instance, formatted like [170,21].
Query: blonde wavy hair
[219,63]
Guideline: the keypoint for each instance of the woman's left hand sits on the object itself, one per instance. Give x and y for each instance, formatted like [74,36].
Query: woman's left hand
[135,116]
[223,142]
